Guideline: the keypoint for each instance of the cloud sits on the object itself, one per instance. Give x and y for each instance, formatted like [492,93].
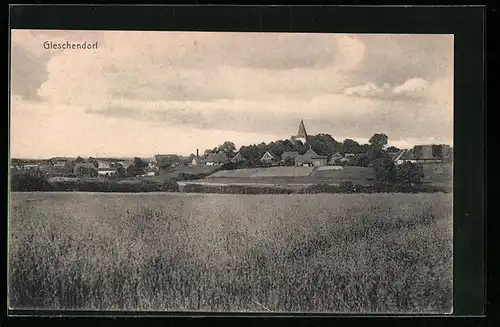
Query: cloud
[241,84]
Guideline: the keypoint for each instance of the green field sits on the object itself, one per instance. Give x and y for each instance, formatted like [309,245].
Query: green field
[206,252]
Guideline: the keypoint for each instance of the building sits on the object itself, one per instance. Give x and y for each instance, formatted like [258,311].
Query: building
[289,156]
[238,158]
[103,164]
[269,158]
[217,159]
[125,164]
[301,133]
[311,158]
[334,158]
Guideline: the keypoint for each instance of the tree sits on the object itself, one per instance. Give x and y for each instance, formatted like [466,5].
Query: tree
[362,161]
[120,171]
[227,147]
[350,146]
[410,173]
[139,163]
[385,170]
[378,140]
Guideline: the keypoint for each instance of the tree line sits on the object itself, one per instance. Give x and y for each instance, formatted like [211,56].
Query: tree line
[322,144]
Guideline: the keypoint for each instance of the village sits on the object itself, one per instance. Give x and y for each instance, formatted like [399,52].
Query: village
[283,162]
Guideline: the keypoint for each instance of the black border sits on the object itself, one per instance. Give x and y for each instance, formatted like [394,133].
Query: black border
[466,23]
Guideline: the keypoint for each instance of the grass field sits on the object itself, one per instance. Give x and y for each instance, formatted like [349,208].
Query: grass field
[162,251]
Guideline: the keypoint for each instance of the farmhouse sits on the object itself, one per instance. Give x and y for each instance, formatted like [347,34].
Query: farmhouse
[335,157]
[217,159]
[310,158]
[238,158]
[270,158]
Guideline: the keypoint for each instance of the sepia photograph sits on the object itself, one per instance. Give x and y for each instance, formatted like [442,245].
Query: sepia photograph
[231,172]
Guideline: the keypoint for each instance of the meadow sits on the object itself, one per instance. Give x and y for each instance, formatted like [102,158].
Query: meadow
[385,253]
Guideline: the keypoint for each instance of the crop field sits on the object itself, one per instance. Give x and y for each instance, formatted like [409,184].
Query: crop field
[387,253]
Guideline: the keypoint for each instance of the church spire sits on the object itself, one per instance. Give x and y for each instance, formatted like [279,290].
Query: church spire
[302,130]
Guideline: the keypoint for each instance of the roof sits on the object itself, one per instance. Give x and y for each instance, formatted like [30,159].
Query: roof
[349,155]
[302,130]
[85,165]
[337,155]
[218,157]
[270,154]
[238,157]
[310,153]
[289,154]
[407,155]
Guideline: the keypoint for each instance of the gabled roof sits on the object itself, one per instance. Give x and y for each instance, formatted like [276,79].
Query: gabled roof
[310,153]
[336,155]
[238,157]
[269,154]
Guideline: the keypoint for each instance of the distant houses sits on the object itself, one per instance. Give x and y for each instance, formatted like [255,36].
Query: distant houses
[423,154]
[311,159]
[269,158]
[335,158]
[215,159]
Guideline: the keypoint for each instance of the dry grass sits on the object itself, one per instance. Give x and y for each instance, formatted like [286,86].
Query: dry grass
[321,253]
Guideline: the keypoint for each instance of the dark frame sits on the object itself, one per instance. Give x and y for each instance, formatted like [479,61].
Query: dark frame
[466,23]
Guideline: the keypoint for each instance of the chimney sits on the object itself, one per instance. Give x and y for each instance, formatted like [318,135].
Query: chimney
[197,153]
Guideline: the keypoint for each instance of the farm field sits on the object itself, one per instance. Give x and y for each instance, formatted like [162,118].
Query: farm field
[216,252]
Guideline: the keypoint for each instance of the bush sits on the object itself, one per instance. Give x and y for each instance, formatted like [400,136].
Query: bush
[21,182]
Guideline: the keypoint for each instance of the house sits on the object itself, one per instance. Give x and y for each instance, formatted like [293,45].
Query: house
[31,166]
[289,156]
[268,157]
[103,164]
[217,159]
[335,157]
[125,164]
[195,162]
[106,171]
[238,158]
[349,155]
[311,158]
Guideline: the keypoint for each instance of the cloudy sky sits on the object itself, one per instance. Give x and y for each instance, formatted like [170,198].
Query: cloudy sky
[144,93]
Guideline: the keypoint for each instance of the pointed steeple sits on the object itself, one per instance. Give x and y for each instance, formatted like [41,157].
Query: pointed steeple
[302,130]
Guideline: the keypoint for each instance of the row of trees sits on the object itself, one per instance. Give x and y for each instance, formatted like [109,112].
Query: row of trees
[322,144]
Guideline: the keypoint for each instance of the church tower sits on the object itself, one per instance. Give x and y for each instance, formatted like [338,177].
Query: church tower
[301,134]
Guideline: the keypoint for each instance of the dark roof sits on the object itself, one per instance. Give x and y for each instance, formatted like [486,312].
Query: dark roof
[218,157]
[289,154]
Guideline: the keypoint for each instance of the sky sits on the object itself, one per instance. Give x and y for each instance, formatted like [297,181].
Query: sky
[143,93]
